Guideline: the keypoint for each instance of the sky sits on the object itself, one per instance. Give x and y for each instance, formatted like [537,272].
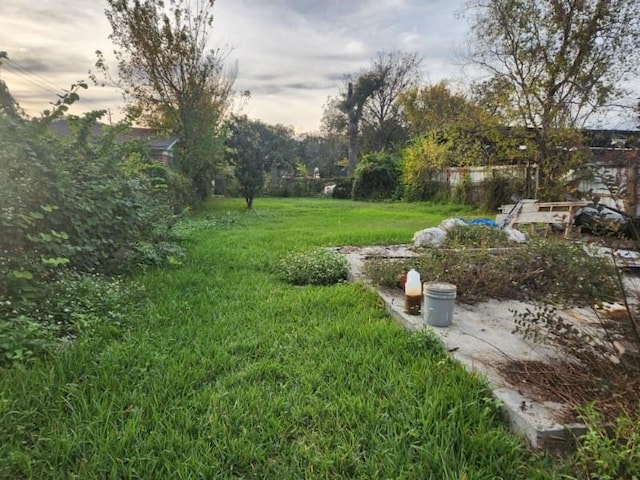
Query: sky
[290,54]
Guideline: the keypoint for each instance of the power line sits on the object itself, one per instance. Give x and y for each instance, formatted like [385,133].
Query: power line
[31,80]
[31,77]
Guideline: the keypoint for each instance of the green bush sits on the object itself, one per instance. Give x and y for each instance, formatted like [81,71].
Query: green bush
[476,236]
[22,339]
[64,307]
[430,190]
[465,192]
[73,204]
[343,189]
[377,177]
[497,191]
[316,267]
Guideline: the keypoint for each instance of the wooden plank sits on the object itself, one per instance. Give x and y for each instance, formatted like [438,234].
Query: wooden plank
[538,217]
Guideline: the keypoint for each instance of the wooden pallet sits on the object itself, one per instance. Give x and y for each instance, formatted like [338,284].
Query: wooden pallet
[531,212]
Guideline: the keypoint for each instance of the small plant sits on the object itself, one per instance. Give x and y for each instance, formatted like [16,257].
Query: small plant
[22,340]
[316,267]
[608,453]
[475,236]
[65,308]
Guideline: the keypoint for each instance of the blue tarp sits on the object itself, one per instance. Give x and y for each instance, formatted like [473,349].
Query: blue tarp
[483,221]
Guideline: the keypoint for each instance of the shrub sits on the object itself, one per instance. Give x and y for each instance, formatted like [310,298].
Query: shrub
[343,189]
[316,267]
[497,191]
[377,177]
[70,205]
[476,236]
[465,192]
[428,190]
[65,307]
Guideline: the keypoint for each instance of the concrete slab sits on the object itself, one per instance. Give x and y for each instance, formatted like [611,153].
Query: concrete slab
[481,338]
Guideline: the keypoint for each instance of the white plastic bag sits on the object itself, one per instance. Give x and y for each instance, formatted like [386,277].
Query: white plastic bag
[450,223]
[515,235]
[429,237]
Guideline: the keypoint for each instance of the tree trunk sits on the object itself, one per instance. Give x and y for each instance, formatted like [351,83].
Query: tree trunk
[353,144]
[352,127]
[249,202]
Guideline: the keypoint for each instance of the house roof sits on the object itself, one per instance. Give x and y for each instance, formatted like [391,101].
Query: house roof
[61,127]
[156,140]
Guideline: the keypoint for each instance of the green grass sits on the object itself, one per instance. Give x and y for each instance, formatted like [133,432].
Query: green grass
[227,372]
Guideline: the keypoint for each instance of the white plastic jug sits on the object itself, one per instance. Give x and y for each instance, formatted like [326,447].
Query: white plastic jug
[413,293]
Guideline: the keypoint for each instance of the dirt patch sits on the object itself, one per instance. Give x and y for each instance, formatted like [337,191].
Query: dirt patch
[573,385]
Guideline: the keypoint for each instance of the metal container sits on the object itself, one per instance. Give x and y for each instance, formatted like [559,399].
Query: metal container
[439,299]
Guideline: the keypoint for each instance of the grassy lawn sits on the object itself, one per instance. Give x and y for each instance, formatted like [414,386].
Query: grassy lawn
[226,372]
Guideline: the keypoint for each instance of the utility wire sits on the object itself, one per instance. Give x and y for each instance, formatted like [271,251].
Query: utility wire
[31,77]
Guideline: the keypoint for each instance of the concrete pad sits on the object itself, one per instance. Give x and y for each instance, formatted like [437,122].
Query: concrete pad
[481,338]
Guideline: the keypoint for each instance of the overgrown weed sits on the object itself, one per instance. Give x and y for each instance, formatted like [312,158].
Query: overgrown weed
[542,269]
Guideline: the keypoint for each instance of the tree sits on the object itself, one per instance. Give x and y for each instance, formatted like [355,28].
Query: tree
[372,99]
[352,105]
[475,130]
[556,63]
[255,148]
[433,106]
[383,124]
[325,152]
[377,177]
[168,71]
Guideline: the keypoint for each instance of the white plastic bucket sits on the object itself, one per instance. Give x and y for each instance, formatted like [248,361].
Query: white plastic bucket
[439,299]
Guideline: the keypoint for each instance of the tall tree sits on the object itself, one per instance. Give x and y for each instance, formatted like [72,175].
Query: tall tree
[369,109]
[432,107]
[383,122]
[168,70]
[557,61]
[353,104]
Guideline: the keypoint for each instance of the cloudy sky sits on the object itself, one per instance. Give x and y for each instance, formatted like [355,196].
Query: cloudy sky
[291,54]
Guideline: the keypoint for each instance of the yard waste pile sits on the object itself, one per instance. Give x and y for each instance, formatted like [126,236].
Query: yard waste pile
[435,236]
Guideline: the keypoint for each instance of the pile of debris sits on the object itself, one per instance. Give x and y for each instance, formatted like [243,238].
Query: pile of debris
[435,236]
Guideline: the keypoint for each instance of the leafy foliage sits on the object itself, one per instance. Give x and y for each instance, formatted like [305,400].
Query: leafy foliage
[553,65]
[608,453]
[177,82]
[422,161]
[76,203]
[326,152]
[297,187]
[377,177]
[315,267]
[432,107]
[255,148]
[475,236]
[343,189]
[71,305]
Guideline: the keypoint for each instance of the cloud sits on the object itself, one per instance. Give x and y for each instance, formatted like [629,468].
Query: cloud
[291,54]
